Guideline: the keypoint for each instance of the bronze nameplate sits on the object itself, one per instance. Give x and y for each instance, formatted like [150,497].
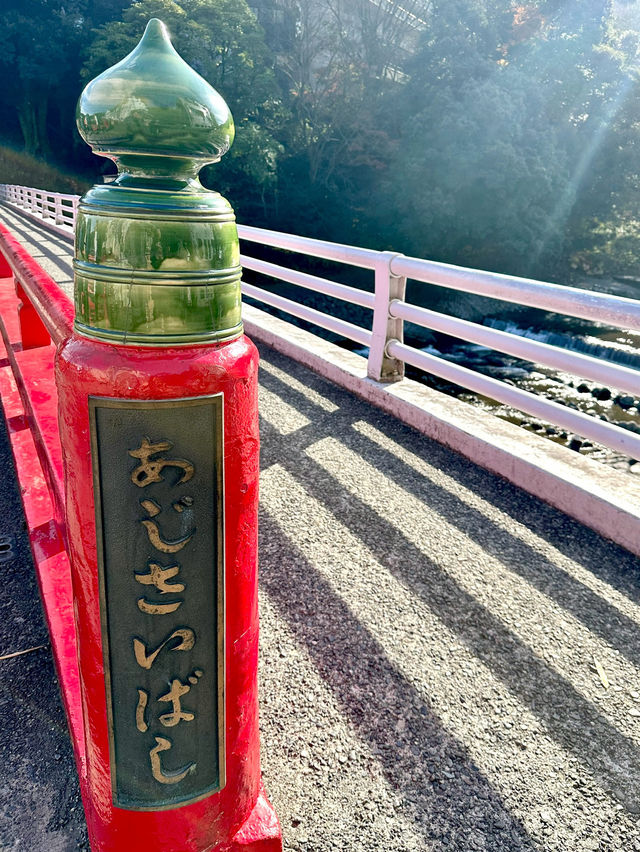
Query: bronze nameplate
[158,485]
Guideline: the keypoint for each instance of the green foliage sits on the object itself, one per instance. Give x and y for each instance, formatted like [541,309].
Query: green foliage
[223,41]
[38,41]
[501,134]
[485,177]
[611,249]
[509,134]
[20,168]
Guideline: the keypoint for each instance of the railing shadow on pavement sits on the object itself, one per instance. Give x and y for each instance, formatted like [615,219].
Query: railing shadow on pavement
[303,595]
[24,234]
[374,695]
[618,569]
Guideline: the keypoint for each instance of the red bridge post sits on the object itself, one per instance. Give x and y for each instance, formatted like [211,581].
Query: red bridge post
[158,424]
[33,332]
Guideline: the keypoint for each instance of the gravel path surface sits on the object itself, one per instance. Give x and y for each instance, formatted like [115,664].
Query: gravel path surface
[52,252]
[446,662]
[429,645]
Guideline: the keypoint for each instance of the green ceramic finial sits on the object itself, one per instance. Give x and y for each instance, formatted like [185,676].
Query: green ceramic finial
[157,256]
[153,114]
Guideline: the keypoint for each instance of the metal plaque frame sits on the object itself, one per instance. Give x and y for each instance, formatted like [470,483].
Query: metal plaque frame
[164,463]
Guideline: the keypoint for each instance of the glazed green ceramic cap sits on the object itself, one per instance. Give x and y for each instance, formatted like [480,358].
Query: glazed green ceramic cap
[157,255]
[154,106]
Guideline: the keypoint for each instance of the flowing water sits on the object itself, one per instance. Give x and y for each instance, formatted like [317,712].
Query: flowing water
[608,403]
[590,338]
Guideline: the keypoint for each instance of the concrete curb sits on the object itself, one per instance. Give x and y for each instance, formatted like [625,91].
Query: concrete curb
[604,499]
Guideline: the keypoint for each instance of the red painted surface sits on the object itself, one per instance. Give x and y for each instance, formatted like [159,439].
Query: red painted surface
[85,367]
[33,370]
[54,308]
[32,329]
[38,391]
[239,818]
[9,304]
[50,558]
[5,269]
[261,831]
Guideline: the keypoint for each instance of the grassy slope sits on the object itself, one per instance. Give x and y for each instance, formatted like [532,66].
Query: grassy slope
[19,168]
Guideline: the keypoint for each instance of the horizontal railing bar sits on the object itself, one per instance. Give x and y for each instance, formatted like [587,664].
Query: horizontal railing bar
[346,329]
[65,195]
[310,282]
[585,304]
[597,307]
[599,370]
[600,431]
[65,228]
[351,255]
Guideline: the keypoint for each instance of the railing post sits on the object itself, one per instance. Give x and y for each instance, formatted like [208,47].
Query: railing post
[32,330]
[5,269]
[380,366]
[157,391]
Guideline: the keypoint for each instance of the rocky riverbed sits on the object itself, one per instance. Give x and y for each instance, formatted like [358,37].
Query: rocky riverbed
[607,403]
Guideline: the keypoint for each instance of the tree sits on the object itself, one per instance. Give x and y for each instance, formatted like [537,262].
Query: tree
[503,110]
[223,41]
[335,71]
[483,173]
[38,41]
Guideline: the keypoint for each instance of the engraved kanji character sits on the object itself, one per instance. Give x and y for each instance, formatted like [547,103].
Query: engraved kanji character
[149,470]
[143,700]
[150,608]
[172,777]
[158,576]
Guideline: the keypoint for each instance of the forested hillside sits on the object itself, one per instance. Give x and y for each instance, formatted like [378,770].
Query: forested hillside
[491,133]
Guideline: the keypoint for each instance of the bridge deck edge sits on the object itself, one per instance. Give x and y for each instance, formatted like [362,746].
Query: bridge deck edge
[604,499]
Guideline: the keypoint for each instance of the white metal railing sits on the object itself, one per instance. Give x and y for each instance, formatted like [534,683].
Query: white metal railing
[59,209]
[384,338]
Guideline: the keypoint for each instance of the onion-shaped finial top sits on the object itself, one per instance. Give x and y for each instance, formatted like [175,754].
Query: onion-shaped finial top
[153,114]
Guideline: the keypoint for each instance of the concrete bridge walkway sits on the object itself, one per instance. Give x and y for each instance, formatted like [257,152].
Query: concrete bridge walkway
[447,663]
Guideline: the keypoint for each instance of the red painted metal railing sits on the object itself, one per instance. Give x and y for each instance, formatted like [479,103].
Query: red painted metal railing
[45,319]
[55,310]
[36,319]
[35,316]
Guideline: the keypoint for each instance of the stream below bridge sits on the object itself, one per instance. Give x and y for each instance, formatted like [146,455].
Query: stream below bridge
[606,402]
